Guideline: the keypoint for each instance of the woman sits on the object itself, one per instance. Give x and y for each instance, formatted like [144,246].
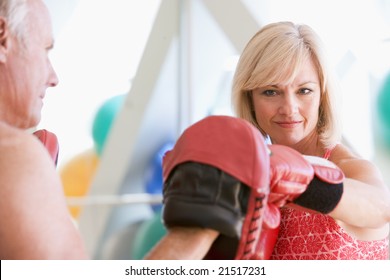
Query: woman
[283,87]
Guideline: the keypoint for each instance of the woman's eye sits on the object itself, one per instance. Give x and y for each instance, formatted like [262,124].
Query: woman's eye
[269,92]
[305,91]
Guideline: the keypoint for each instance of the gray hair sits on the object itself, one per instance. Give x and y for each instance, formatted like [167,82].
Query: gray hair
[15,12]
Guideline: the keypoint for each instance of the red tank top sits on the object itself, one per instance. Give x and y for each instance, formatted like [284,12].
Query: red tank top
[315,236]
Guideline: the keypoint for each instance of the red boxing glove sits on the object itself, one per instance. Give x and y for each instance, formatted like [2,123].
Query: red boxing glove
[231,196]
[50,141]
[311,182]
[326,188]
[289,177]
[269,232]
[290,172]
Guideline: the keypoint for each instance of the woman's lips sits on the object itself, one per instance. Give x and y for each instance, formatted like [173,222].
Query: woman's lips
[288,124]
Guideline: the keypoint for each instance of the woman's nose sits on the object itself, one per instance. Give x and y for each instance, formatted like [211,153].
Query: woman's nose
[289,104]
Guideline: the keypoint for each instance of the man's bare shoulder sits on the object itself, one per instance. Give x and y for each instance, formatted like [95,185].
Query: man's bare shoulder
[11,136]
[32,204]
[21,154]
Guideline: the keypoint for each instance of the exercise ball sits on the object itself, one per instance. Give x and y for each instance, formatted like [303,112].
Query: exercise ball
[148,235]
[119,244]
[153,174]
[103,120]
[77,174]
[384,109]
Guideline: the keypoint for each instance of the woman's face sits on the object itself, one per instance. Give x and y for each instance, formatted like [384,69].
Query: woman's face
[288,113]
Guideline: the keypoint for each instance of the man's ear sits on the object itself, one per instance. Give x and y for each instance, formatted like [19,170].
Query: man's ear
[4,38]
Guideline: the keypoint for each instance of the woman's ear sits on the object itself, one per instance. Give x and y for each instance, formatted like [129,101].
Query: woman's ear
[3,39]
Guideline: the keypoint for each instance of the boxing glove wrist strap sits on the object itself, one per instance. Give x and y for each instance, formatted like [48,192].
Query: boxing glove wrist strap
[321,196]
[326,188]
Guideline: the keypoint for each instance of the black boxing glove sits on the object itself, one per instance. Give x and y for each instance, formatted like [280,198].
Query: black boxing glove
[217,177]
[209,198]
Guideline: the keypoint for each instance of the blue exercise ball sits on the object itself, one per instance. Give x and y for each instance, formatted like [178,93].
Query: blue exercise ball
[384,109]
[153,176]
[104,119]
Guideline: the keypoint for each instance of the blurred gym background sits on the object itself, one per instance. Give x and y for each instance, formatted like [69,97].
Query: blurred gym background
[134,74]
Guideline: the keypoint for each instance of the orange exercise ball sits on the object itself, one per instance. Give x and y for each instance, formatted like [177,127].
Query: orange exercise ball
[76,176]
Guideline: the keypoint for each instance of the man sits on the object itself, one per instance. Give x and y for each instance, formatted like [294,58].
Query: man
[33,212]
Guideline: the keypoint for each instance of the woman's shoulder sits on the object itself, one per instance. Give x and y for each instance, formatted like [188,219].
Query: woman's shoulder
[343,154]
[353,165]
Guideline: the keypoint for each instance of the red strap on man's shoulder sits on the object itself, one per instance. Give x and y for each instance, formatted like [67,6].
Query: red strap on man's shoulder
[50,141]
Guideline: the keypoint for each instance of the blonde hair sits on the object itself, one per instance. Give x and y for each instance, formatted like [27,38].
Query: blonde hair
[275,54]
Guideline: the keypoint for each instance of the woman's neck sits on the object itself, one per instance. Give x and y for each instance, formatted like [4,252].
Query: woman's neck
[310,145]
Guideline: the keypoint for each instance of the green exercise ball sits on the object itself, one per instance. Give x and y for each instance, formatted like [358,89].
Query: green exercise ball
[104,119]
[149,233]
[384,109]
